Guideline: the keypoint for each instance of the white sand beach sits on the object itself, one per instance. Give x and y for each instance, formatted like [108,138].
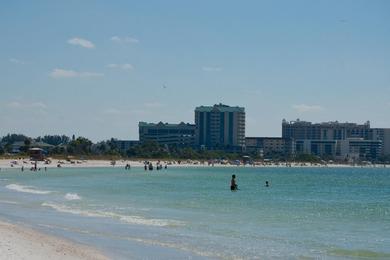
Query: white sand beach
[27,164]
[18,242]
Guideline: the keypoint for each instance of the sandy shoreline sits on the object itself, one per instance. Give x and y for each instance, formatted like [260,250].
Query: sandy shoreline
[26,164]
[17,242]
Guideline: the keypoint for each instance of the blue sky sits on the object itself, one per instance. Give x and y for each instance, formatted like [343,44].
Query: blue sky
[97,68]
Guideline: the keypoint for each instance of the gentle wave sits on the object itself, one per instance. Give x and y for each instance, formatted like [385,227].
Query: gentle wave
[26,189]
[359,253]
[103,214]
[8,202]
[72,196]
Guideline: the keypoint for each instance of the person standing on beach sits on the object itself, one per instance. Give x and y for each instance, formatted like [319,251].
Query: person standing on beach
[233,185]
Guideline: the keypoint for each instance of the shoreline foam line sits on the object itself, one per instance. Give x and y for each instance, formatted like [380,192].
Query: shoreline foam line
[26,189]
[72,196]
[103,214]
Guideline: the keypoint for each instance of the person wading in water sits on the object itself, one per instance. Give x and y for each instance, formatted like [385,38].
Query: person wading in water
[233,185]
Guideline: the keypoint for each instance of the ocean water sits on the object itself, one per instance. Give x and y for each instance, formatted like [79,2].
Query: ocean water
[190,213]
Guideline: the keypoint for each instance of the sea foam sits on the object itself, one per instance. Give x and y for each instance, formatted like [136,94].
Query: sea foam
[106,214]
[72,196]
[26,189]
[8,202]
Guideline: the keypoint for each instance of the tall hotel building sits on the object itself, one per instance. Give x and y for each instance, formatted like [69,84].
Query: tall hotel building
[220,127]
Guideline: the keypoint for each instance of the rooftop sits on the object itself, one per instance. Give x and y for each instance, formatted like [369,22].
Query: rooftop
[161,124]
[330,123]
[219,107]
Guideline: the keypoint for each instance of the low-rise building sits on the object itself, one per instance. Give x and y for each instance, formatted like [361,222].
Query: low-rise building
[18,146]
[180,135]
[37,154]
[268,146]
[351,149]
[358,149]
[321,148]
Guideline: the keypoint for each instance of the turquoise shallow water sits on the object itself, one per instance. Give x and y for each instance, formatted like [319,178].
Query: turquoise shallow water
[331,213]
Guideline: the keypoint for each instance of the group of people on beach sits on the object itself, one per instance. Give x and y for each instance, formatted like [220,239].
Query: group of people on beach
[234,186]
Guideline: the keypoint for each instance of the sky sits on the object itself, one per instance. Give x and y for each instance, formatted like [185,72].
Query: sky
[97,68]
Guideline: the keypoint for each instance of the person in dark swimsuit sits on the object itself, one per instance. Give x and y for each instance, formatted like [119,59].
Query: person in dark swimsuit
[233,185]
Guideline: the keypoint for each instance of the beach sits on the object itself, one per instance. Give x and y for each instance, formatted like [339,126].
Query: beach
[54,163]
[18,242]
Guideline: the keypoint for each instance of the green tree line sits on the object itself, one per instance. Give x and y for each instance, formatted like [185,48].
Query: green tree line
[62,145]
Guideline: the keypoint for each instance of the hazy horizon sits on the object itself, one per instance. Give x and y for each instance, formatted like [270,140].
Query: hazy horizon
[96,69]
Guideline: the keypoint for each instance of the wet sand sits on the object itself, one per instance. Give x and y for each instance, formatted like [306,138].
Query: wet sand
[18,242]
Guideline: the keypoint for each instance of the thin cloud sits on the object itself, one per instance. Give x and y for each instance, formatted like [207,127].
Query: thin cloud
[38,105]
[62,73]
[125,66]
[127,39]
[302,108]
[115,39]
[26,105]
[14,104]
[16,61]
[112,66]
[81,42]
[211,69]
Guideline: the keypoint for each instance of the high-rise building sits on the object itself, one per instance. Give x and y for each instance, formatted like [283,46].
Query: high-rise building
[302,130]
[181,135]
[220,127]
